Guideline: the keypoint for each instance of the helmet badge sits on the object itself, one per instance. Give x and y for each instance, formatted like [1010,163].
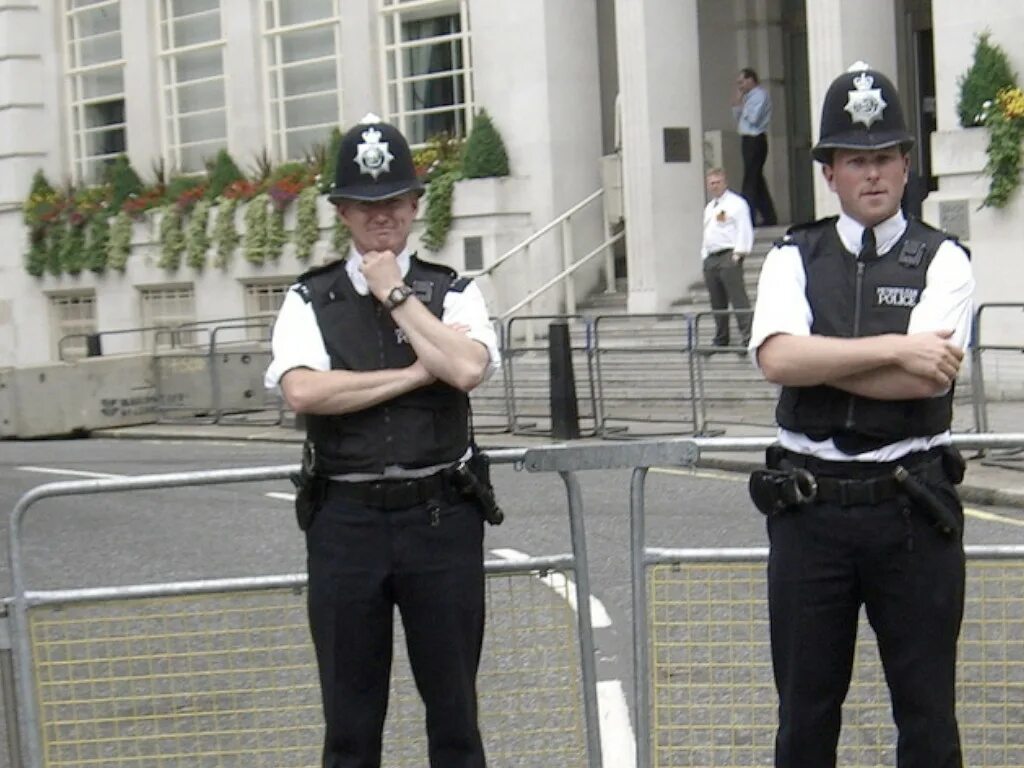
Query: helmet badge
[372,156]
[865,103]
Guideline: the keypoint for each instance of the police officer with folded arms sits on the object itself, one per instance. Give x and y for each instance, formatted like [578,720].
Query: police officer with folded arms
[862,319]
[379,352]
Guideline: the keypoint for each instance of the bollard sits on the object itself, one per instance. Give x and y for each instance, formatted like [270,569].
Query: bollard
[564,412]
[93,347]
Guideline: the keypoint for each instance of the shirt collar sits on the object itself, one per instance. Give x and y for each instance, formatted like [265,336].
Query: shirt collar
[886,234]
[355,261]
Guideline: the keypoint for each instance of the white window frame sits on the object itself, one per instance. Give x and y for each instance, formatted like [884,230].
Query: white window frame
[393,12]
[149,295]
[75,74]
[62,324]
[257,289]
[273,33]
[170,118]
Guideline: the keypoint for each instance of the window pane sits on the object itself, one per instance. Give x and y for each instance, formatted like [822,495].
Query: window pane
[201,96]
[103,83]
[303,140]
[307,44]
[195,158]
[196,29]
[197,65]
[302,11]
[206,127]
[189,7]
[98,21]
[107,113]
[311,110]
[310,78]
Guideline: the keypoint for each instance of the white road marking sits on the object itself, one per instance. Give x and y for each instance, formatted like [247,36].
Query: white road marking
[281,496]
[563,587]
[618,744]
[72,472]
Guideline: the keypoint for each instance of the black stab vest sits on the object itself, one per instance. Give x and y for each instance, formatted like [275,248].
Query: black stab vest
[427,426]
[850,298]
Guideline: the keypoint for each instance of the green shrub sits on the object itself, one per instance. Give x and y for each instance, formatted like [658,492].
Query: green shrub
[439,211]
[119,241]
[225,234]
[172,238]
[484,154]
[123,180]
[988,74]
[97,234]
[196,240]
[330,158]
[222,172]
[307,228]
[255,244]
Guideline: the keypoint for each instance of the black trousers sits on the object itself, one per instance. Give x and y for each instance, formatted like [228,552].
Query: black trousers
[724,279]
[362,563]
[825,561]
[755,188]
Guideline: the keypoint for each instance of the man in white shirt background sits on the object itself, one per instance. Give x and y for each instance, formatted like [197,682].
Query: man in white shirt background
[728,238]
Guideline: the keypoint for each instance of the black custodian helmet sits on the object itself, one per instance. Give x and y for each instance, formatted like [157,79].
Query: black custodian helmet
[862,110]
[374,163]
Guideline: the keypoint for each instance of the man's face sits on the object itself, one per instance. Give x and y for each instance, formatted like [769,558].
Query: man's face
[744,83]
[869,183]
[716,184]
[382,225]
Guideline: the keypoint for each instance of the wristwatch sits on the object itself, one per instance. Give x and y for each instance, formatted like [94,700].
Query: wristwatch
[397,296]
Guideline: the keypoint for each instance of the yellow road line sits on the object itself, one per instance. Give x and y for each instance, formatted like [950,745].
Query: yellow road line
[992,517]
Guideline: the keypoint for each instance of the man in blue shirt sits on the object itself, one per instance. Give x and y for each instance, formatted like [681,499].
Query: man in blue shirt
[752,109]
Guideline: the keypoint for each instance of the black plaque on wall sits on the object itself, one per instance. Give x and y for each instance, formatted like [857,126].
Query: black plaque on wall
[677,145]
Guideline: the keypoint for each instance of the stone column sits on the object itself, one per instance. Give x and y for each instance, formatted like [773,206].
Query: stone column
[663,194]
[838,34]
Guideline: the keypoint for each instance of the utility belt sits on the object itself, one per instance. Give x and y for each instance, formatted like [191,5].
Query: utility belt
[395,494]
[793,479]
[463,482]
[721,252]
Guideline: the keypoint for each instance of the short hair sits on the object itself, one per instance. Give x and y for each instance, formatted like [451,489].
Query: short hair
[715,171]
[750,74]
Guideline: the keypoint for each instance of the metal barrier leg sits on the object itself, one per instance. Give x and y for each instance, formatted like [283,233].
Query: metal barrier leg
[641,661]
[10,699]
[588,665]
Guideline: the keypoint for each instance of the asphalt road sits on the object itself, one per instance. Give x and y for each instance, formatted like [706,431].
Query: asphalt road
[238,530]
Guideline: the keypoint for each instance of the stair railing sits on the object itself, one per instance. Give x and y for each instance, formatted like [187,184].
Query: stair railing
[565,223]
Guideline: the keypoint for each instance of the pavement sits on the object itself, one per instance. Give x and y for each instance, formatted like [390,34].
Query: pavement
[995,477]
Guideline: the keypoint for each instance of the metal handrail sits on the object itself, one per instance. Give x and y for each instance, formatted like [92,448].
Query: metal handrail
[979,401]
[561,276]
[535,236]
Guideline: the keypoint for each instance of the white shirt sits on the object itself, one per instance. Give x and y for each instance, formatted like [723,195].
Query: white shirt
[297,342]
[727,225]
[782,307]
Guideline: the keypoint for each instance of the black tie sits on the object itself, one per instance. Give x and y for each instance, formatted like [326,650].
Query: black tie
[867,244]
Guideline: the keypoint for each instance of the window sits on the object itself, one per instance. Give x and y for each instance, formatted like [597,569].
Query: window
[94,79]
[71,316]
[302,46]
[167,306]
[192,101]
[427,61]
[262,302]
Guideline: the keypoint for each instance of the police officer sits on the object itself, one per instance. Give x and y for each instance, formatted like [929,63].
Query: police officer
[862,319]
[379,352]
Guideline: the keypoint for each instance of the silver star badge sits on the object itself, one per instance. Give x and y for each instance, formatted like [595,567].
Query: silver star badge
[372,156]
[865,103]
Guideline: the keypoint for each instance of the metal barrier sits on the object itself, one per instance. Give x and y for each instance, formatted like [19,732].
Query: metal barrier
[626,392]
[221,672]
[978,347]
[225,373]
[67,344]
[530,390]
[703,681]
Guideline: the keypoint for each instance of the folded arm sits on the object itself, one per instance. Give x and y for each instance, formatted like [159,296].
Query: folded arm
[886,367]
[338,392]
